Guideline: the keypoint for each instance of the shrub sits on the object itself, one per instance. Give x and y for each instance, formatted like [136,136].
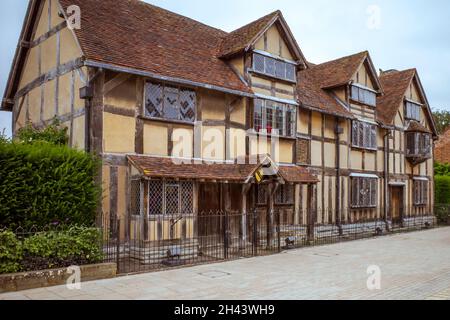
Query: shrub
[75,246]
[442,186]
[10,253]
[42,183]
[54,134]
[51,249]
[442,169]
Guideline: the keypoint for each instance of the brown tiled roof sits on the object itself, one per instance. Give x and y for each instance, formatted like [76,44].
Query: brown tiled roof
[314,81]
[166,168]
[415,126]
[134,34]
[442,149]
[239,39]
[395,84]
[311,95]
[296,174]
[337,72]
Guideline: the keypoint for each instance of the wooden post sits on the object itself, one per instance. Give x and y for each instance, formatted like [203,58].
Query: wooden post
[311,215]
[297,200]
[245,190]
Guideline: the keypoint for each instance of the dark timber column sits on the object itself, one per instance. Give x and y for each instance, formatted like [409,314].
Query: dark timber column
[311,212]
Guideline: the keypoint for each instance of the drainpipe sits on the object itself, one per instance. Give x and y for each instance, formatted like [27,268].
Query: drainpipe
[386,178]
[338,132]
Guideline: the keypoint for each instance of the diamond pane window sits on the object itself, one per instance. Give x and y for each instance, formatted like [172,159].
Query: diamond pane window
[364,192]
[280,69]
[170,103]
[364,96]
[170,197]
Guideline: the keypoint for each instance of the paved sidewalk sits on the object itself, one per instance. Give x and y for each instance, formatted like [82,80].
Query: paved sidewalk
[413,266]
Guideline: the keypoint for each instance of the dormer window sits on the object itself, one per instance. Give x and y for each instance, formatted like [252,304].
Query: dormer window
[363,95]
[412,110]
[274,67]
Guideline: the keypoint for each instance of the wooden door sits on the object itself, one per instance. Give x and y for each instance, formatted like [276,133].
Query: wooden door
[396,204]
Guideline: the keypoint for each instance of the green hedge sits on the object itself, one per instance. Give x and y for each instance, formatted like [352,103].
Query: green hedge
[52,249]
[43,183]
[442,184]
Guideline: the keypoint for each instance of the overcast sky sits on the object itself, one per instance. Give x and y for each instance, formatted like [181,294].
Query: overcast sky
[399,34]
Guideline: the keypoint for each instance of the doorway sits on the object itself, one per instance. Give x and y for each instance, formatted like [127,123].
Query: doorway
[397,204]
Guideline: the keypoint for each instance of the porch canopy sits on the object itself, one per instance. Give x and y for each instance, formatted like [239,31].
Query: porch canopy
[230,172]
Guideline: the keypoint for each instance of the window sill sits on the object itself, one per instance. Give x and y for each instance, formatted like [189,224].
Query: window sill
[269,135]
[265,75]
[364,149]
[364,208]
[187,123]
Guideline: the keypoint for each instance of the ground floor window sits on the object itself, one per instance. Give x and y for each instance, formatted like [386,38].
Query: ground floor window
[420,192]
[170,197]
[136,197]
[285,194]
[364,192]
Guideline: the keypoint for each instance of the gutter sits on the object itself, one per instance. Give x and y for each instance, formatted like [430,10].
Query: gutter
[386,178]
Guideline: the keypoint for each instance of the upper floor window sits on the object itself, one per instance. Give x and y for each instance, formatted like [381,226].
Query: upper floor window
[364,135]
[418,144]
[364,95]
[274,67]
[364,192]
[412,110]
[274,118]
[169,103]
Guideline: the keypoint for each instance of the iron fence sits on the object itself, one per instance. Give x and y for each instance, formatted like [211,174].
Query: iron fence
[165,241]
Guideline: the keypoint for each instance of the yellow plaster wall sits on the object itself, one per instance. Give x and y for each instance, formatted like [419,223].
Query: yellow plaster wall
[155,139]
[69,49]
[118,133]
[316,125]
[65,88]
[183,143]
[238,63]
[124,95]
[238,112]
[55,19]
[236,143]
[369,160]
[34,100]
[213,139]
[302,121]
[344,157]
[49,100]
[363,75]
[31,69]
[213,106]
[330,124]
[78,140]
[356,160]
[122,191]
[79,83]
[285,153]
[48,56]
[330,155]
[43,26]
[316,153]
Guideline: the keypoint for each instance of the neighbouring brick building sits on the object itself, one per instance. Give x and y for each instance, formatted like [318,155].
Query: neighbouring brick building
[442,149]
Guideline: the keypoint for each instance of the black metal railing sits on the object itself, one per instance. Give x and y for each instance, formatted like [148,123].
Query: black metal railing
[165,241]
